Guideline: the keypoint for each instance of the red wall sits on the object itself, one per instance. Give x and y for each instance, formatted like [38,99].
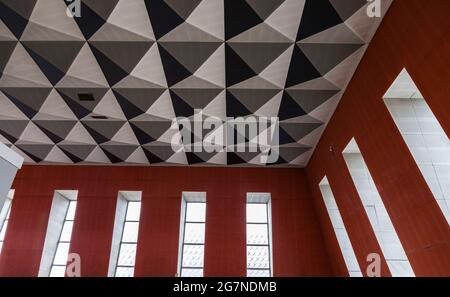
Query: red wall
[415,34]
[298,248]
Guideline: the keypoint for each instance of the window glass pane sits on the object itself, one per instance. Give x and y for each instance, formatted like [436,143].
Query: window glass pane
[130,232]
[258,273]
[1,245]
[127,255]
[66,231]
[185,272]
[58,271]
[133,211]
[193,256]
[71,212]
[3,231]
[379,219]
[9,213]
[124,271]
[256,213]
[257,257]
[257,234]
[61,254]
[195,212]
[194,233]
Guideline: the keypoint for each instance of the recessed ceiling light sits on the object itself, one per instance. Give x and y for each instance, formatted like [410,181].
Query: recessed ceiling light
[86,97]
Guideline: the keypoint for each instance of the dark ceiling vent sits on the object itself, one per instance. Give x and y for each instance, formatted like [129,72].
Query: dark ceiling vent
[86,97]
[99,117]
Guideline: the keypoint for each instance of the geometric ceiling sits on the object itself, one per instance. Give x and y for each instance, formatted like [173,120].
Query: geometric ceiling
[104,88]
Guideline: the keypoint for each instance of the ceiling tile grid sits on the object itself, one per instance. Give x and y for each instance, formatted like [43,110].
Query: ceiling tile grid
[104,88]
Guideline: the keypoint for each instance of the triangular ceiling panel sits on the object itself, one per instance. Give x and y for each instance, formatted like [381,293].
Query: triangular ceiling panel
[123,82]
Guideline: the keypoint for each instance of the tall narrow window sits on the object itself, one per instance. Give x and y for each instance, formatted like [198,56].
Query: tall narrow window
[339,229]
[259,235]
[62,249]
[380,221]
[424,136]
[125,236]
[4,217]
[59,233]
[192,234]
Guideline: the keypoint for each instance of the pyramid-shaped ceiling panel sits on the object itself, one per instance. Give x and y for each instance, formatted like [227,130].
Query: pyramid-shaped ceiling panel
[123,82]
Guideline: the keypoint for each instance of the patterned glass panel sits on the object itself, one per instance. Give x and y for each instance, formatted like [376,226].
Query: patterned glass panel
[258,273]
[188,272]
[194,233]
[257,234]
[62,252]
[58,271]
[130,232]
[66,231]
[127,254]
[257,213]
[195,212]
[193,255]
[258,257]
[133,211]
[124,271]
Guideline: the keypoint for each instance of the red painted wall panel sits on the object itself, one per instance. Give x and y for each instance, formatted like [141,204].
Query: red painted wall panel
[298,245]
[415,34]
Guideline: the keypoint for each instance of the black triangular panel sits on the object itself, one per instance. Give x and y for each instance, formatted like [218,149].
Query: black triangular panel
[6,49]
[71,156]
[318,15]
[113,73]
[129,109]
[28,100]
[181,108]
[79,110]
[284,137]
[53,57]
[14,21]
[36,151]
[126,55]
[53,74]
[239,18]
[162,17]
[152,158]
[114,159]
[193,158]
[280,161]
[233,159]
[301,69]
[99,138]
[236,68]
[90,21]
[191,55]
[235,108]
[141,136]
[175,72]
[56,130]
[289,108]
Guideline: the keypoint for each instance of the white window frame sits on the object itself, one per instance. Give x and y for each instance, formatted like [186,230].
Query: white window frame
[385,233]
[123,200]
[57,218]
[345,245]
[4,216]
[189,197]
[423,135]
[261,198]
